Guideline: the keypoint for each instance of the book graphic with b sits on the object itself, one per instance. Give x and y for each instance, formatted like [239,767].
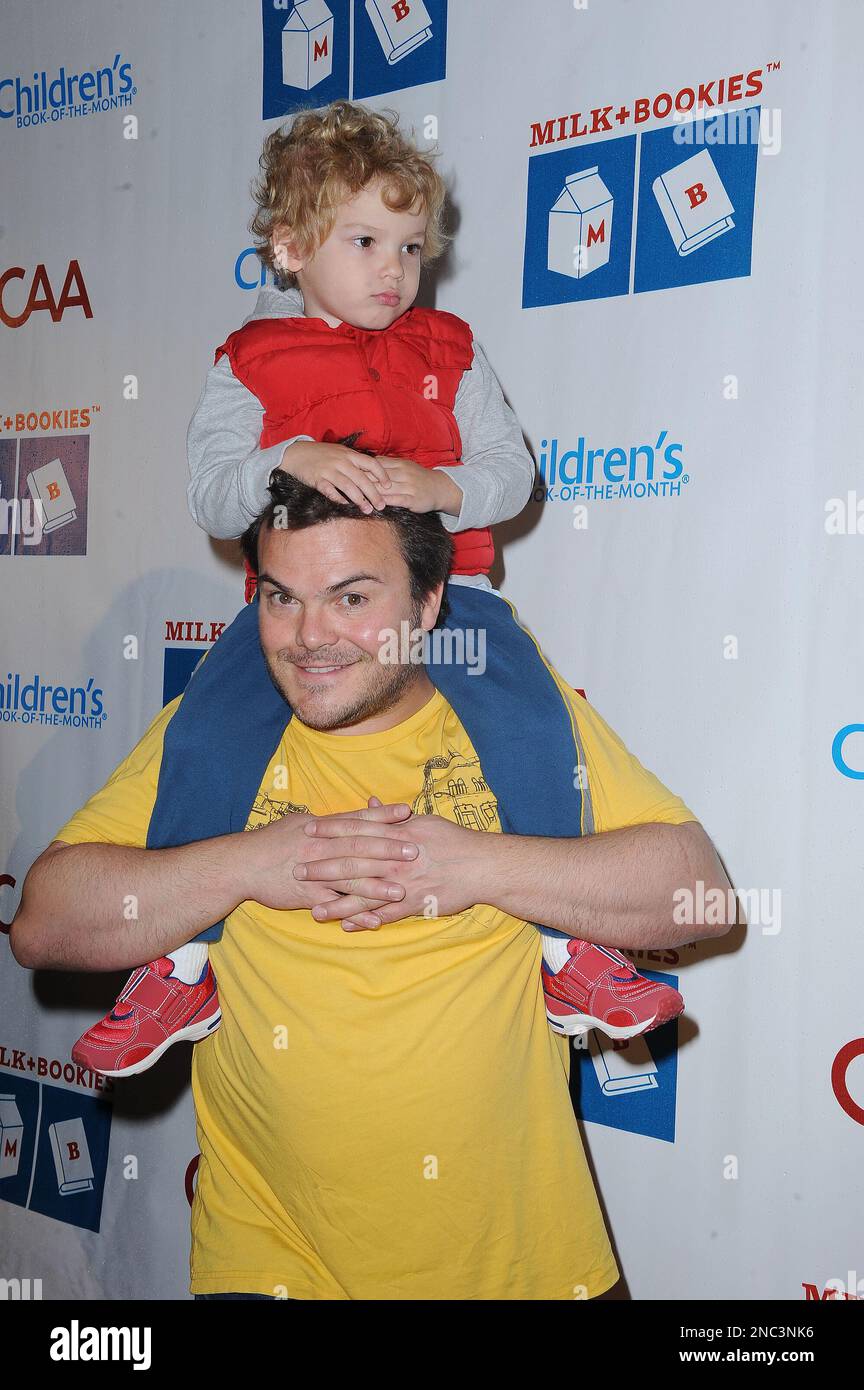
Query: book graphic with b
[71,1156]
[52,495]
[695,206]
[401,27]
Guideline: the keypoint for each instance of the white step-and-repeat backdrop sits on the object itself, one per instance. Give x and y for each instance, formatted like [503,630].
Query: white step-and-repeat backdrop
[658,208]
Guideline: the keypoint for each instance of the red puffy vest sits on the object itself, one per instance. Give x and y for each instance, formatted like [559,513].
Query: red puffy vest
[397,385]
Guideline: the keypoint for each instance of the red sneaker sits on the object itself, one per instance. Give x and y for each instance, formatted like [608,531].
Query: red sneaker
[153,1010]
[598,988]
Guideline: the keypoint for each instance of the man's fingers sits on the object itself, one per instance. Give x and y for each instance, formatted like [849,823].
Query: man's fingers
[357,823]
[355,847]
[376,917]
[354,905]
[392,812]
[321,894]
[334,871]
[358,895]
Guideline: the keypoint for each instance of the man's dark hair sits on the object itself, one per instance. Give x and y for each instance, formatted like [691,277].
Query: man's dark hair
[426,546]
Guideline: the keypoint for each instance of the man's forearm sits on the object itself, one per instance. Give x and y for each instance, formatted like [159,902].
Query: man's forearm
[615,888]
[110,907]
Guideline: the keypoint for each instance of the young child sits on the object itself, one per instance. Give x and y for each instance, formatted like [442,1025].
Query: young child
[348,211]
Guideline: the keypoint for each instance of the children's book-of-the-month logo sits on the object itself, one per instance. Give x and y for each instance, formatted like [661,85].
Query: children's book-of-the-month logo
[632,1084]
[250,272]
[582,471]
[30,698]
[62,94]
[53,1149]
[318,51]
[593,231]
[43,495]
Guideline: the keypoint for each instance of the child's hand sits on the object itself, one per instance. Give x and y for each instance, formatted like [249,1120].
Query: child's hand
[420,489]
[342,474]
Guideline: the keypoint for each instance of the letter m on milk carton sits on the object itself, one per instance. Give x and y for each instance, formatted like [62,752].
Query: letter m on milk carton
[580,225]
[11,1135]
[307,45]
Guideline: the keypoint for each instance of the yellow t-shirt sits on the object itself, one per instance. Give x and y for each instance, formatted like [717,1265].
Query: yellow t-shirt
[385,1115]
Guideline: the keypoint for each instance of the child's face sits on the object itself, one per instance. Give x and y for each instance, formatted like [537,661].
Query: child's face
[370,252]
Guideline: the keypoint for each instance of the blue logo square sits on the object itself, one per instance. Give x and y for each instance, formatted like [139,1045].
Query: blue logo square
[306,55]
[630,1086]
[180,662]
[697,185]
[317,51]
[59,1150]
[579,223]
[398,44]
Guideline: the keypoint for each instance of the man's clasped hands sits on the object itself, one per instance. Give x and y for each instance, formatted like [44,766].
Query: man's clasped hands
[344,868]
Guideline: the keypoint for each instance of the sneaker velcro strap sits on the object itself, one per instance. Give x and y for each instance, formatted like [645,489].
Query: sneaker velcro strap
[589,965]
[151,993]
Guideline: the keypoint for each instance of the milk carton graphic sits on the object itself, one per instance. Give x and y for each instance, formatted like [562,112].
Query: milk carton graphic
[694,203]
[580,225]
[400,27]
[11,1136]
[307,45]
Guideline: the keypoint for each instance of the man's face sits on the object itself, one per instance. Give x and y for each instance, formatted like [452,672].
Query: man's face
[325,595]
[370,252]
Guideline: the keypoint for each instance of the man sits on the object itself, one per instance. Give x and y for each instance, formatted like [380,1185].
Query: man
[384,1112]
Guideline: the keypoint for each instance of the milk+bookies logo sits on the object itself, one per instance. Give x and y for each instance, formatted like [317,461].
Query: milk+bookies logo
[47,97]
[54,1141]
[656,209]
[311,46]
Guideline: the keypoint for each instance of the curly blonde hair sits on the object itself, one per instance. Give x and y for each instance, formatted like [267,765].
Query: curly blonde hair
[328,156]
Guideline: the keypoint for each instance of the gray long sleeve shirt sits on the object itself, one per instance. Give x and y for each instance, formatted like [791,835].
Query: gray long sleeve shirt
[229,473]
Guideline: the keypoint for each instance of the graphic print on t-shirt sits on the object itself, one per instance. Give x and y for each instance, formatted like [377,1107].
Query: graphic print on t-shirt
[458,782]
[265,810]
[452,786]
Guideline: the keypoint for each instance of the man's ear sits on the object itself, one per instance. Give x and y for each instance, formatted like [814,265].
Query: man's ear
[429,614]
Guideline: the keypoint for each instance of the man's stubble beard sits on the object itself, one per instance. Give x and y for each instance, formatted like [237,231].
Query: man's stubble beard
[390,683]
